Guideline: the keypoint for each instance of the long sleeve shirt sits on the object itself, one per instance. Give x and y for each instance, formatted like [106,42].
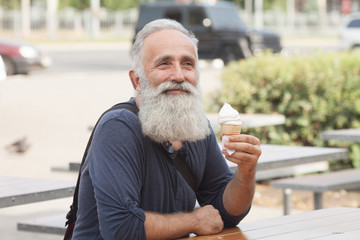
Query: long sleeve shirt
[126,173]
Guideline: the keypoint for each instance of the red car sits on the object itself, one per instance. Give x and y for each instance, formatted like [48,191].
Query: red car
[21,58]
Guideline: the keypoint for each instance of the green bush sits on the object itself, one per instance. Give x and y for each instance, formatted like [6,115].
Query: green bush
[315,92]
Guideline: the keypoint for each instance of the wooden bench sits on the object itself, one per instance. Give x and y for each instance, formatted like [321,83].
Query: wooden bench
[346,179]
[17,191]
[51,224]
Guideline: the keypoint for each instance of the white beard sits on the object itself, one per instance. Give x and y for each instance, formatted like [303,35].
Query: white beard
[166,117]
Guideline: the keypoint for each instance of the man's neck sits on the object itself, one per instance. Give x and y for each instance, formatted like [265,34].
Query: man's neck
[176,145]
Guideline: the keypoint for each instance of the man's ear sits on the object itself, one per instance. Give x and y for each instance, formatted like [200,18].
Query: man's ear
[135,80]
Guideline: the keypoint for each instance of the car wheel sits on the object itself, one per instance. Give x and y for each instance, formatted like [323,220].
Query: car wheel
[228,54]
[245,47]
[355,47]
[9,66]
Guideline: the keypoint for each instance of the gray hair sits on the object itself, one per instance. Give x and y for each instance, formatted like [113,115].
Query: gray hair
[136,51]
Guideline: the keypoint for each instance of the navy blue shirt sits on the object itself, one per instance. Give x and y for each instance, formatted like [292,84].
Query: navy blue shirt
[126,174]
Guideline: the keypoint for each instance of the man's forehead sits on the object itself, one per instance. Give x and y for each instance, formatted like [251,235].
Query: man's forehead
[168,42]
[168,36]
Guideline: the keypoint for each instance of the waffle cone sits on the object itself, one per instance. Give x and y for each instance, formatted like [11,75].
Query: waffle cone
[228,129]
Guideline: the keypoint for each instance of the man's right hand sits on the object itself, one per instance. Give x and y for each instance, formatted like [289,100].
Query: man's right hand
[209,220]
[202,221]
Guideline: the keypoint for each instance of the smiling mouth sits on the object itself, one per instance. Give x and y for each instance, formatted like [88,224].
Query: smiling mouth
[175,91]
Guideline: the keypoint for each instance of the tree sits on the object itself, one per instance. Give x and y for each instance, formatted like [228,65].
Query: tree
[10,4]
[120,5]
[77,4]
[268,4]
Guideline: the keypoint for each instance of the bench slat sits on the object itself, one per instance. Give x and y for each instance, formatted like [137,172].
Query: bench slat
[345,179]
[51,224]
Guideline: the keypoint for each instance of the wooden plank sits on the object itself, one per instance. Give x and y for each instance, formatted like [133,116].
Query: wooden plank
[344,179]
[291,171]
[350,235]
[336,229]
[51,224]
[309,225]
[226,234]
[16,191]
[352,134]
[281,156]
[294,218]
[315,223]
[250,120]
[311,228]
[278,156]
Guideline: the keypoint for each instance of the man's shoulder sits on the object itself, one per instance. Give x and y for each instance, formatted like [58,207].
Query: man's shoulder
[119,115]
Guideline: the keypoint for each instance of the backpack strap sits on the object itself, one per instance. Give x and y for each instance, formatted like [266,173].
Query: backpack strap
[71,215]
[178,160]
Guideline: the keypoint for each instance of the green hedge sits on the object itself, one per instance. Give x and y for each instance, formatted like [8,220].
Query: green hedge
[315,92]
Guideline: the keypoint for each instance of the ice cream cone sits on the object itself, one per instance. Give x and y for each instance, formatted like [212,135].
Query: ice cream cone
[230,129]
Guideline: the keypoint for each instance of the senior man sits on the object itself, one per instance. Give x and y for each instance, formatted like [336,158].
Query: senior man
[130,188]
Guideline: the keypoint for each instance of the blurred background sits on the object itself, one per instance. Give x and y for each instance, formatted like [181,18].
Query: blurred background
[63,62]
[111,19]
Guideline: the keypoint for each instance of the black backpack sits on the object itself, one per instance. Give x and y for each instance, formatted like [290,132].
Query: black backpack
[178,162]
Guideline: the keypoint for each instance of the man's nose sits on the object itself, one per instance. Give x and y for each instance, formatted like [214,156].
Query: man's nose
[177,74]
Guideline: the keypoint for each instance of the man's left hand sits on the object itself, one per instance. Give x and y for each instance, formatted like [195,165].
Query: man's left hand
[247,151]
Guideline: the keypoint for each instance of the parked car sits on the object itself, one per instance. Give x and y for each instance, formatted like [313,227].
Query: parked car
[20,57]
[219,28]
[2,70]
[350,32]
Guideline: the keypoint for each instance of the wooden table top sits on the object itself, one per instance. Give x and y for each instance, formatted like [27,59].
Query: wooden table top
[16,191]
[250,120]
[332,223]
[277,156]
[352,134]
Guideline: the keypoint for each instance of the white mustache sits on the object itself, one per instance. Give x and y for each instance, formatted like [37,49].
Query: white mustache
[171,85]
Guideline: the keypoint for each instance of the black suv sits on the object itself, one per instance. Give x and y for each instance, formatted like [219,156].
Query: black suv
[221,32]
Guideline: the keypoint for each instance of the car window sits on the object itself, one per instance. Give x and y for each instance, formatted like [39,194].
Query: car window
[174,14]
[225,18]
[196,16]
[354,24]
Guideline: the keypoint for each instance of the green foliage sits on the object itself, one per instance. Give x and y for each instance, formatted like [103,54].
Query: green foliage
[77,4]
[315,92]
[10,4]
[120,5]
[268,4]
[109,4]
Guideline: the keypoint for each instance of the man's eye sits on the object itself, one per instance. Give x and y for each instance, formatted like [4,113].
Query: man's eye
[188,64]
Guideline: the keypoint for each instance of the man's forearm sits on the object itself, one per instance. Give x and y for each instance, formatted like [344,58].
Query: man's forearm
[202,221]
[167,226]
[239,193]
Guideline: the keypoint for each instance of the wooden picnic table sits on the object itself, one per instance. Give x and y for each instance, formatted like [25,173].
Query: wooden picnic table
[351,134]
[16,190]
[279,156]
[332,223]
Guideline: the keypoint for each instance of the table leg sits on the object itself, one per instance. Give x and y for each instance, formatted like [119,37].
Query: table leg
[287,200]
[317,200]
